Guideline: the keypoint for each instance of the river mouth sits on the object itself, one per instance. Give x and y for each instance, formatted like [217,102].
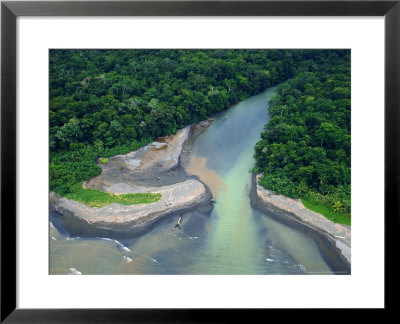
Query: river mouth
[197,166]
[326,246]
[235,237]
[71,226]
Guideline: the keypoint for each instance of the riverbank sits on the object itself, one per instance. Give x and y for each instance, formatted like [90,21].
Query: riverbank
[154,168]
[326,233]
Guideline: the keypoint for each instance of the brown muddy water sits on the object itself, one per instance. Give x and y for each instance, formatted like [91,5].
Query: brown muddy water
[234,238]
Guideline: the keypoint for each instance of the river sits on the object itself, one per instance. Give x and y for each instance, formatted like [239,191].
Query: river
[233,238]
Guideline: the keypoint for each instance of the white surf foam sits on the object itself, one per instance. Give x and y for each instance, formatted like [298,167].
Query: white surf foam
[105,239]
[118,243]
[73,271]
[73,238]
[301,267]
[127,260]
[121,246]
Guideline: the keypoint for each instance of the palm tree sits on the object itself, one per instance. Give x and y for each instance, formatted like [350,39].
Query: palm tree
[337,206]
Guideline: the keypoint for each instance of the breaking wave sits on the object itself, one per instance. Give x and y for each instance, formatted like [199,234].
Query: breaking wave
[73,271]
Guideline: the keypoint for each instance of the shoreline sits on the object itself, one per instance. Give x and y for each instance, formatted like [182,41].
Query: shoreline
[159,167]
[333,239]
[154,168]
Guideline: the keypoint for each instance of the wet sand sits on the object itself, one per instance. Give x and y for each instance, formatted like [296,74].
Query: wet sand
[294,213]
[167,166]
[154,168]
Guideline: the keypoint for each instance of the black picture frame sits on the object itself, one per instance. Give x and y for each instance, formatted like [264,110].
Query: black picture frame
[10,10]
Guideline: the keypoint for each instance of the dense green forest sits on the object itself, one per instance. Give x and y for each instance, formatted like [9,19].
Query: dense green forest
[108,102]
[305,147]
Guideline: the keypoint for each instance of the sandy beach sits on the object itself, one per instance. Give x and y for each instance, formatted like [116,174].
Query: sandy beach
[338,234]
[162,167]
[154,168]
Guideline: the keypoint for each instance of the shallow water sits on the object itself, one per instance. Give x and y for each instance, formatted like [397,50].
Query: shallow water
[233,239]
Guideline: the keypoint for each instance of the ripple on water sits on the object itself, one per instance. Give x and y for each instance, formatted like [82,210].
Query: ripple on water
[234,238]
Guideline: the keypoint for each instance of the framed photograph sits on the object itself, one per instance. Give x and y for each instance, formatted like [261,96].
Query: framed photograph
[189,160]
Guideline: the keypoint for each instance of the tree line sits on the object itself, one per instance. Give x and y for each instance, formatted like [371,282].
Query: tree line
[304,149]
[108,102]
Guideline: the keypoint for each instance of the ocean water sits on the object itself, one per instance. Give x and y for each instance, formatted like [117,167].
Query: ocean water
[233,238]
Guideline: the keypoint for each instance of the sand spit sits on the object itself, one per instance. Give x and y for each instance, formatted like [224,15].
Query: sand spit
[174,197]
[153,168]
[339,234]
[161,154]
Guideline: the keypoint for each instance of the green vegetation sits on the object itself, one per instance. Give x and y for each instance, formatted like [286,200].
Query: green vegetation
[304,149]
[278,182]
[69,167]
[337,217]
[97,198]
[104,160]
[109,102]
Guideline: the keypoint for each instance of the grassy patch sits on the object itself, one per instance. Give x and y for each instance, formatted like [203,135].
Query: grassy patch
[97,198]
[341,218]
[103,160]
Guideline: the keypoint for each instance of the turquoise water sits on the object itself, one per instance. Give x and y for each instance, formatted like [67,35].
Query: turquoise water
[233,238]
